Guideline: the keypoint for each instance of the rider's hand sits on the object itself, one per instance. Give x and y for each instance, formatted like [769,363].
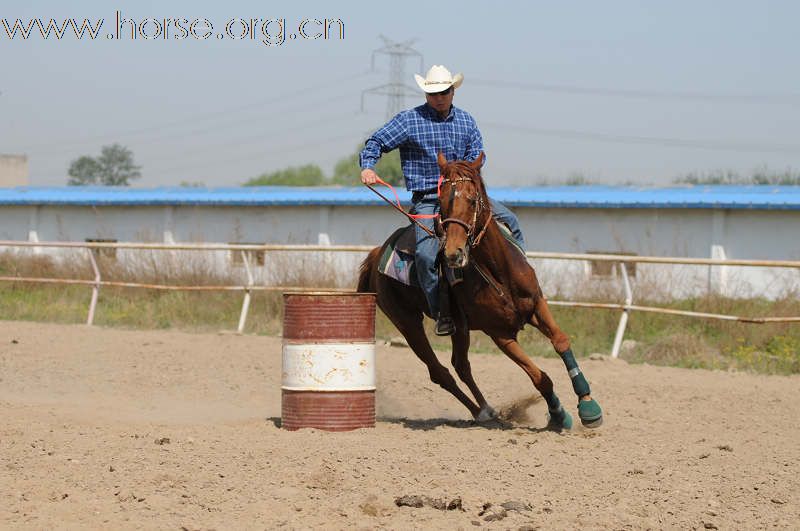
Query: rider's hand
[368,176]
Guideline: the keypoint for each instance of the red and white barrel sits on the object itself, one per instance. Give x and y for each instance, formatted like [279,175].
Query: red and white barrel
[328,377]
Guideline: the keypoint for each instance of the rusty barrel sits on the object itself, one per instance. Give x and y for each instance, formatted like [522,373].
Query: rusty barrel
[328,377]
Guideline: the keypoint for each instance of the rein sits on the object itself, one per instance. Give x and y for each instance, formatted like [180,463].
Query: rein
[472,238]
[397,206]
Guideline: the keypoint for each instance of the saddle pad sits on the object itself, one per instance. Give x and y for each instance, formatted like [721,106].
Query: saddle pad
[407,241]
[398,265]
[397,261]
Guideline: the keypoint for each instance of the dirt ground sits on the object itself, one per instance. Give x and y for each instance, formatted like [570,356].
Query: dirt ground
[84,410]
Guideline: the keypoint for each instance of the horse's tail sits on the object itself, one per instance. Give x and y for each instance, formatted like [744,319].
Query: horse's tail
[365,271]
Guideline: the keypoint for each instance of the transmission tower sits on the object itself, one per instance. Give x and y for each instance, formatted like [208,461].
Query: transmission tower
[396,89]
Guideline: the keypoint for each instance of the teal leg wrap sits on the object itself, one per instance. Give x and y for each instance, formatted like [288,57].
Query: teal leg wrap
[579,383]
[559,419]
[553,403]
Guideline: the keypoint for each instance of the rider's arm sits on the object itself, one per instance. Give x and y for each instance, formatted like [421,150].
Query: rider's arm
[475,144]
[385,139]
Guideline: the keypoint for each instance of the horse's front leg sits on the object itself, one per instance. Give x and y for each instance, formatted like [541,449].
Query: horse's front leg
[588,409]
[411,328]
[460,361]
[559,418]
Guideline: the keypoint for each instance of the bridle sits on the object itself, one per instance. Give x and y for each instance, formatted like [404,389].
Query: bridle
[480,205]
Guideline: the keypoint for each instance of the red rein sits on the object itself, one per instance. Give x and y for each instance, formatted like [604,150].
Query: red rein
[397,198]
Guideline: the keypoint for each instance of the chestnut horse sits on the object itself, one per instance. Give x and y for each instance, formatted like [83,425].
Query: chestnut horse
[499,295]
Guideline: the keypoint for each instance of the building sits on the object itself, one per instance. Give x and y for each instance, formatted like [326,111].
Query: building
[13,170]
[733,222]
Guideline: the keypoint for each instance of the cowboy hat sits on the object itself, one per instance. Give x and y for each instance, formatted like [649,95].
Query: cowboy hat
[438,79]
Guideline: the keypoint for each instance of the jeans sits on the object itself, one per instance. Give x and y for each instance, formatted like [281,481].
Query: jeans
[428,246]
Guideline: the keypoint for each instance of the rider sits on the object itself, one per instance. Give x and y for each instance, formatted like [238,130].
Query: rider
[421,133]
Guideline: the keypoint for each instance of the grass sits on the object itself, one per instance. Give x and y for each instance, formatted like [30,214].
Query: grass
[657,339]
[760,176]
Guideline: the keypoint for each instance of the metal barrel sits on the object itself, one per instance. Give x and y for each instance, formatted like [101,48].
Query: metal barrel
[328,377]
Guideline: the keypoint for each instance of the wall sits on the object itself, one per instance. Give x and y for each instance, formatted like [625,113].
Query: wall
[701,233]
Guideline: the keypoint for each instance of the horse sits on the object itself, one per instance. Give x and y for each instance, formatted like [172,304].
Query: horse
[499,295]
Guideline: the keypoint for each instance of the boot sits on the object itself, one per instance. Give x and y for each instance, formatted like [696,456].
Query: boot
[444,322]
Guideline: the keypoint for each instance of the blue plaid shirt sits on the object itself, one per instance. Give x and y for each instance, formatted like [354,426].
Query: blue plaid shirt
[421,134]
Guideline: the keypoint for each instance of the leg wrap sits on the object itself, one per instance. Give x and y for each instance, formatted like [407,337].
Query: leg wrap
[579,383]
[553,403]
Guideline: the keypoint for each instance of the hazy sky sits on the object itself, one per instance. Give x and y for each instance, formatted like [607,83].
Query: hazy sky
[630,91]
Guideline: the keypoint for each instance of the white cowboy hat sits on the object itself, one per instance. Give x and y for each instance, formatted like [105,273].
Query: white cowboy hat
[438,79]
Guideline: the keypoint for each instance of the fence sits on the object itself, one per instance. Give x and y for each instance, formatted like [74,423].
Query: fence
[625,307]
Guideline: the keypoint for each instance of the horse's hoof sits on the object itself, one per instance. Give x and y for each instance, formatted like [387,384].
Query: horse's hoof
[590,413]
[559,420]
[486,414]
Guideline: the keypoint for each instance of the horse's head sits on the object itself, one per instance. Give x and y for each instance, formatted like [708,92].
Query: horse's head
[465,210]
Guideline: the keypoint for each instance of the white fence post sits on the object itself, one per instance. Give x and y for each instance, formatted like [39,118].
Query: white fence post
[33,227]
[246,303]
[95,287]
[623,319]
[718,275]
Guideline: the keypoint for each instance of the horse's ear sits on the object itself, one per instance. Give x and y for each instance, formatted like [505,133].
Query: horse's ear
[442,162]
[478,162]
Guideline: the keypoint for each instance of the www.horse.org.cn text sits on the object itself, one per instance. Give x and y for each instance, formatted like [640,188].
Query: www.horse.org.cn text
[267,31]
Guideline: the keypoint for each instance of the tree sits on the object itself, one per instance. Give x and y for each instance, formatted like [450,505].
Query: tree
[308,175]
[348,170]
[82,171]
[114,167]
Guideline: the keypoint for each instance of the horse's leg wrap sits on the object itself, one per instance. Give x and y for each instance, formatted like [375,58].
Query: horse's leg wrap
[559,418]
[579,383]
[553,403]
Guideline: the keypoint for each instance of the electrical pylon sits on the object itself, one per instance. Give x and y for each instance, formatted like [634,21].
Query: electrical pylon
[396,89]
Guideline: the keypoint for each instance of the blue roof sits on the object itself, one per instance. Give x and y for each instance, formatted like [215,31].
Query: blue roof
[728,197]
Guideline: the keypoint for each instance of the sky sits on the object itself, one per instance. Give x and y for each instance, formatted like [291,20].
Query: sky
[616,91]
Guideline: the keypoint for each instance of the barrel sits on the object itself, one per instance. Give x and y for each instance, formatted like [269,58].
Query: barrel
[328,376]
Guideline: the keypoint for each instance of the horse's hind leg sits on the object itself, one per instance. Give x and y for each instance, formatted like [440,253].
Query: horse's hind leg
[588,409]
[460,361]
[559,418]
[411,328]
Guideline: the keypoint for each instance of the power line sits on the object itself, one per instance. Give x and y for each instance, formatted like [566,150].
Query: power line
[774,98]
[255,139]
[260,154]
[662,141]
[310,143]
[205,116]
[238,122]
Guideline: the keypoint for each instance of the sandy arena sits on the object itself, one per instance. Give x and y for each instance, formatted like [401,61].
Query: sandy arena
[107,428]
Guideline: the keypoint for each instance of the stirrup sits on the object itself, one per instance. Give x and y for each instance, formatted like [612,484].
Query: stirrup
[445,326]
